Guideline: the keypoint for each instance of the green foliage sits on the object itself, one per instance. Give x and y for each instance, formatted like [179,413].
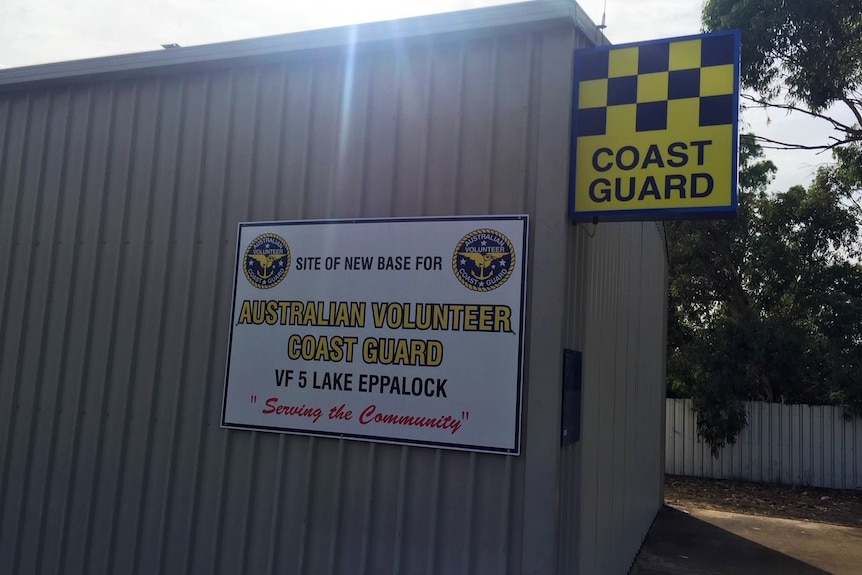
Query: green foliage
[767,306]
[799,55]
[811,48]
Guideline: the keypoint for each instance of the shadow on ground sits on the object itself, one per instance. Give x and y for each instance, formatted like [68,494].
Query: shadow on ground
[681,544]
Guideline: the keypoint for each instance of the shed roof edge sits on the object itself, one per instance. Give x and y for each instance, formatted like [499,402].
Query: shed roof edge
[536,12]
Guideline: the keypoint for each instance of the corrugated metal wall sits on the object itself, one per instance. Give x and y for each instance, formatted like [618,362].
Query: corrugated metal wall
[612,480]
[791,444]
[118,209]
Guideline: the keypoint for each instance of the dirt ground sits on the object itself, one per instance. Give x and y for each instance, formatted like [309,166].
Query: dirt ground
[835,506]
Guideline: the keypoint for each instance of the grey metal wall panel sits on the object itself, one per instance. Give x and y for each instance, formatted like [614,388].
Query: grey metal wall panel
[549,260]
[611,480]
[791,444]
[118,213]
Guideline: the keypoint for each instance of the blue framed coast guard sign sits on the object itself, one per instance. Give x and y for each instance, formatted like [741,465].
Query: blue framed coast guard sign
[655,129]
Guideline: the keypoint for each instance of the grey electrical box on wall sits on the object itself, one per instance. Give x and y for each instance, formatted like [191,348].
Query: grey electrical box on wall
[571,418]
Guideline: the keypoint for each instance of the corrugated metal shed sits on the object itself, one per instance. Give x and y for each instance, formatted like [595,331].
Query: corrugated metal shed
[612,479]
[122,183]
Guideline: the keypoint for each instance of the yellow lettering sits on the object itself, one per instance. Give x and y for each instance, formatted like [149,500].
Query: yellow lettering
[503,318]
[272,312]
[245,312]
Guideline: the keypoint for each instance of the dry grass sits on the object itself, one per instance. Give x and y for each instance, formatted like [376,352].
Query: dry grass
[835,506]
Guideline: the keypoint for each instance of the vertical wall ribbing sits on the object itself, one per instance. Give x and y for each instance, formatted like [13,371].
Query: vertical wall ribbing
[610,481]
[796,451]
[118,218]
[118,212]
[168,362]
[40,274]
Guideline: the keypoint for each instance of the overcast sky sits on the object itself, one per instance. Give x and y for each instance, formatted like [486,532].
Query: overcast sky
[42,31]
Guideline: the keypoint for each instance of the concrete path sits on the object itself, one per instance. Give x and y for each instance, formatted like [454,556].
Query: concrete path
[716,543]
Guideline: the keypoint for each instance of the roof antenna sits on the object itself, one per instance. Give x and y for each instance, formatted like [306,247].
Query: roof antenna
[601,27]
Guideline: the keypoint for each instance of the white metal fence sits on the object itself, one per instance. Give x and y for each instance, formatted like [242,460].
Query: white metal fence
[791,444]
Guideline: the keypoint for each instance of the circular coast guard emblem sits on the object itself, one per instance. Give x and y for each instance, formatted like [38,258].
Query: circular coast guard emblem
[266,261]
[483,260]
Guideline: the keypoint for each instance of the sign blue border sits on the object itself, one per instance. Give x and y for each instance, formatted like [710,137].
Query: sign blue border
[712,212]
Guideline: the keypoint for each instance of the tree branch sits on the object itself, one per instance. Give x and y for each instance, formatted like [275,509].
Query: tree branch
[853,109]
[850,133]
[779,145]
[840,126]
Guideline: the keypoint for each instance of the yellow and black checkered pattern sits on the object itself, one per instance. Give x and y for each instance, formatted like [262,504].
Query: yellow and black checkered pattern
[656,86]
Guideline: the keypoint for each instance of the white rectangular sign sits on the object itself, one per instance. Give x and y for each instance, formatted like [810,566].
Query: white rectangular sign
[396,330]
